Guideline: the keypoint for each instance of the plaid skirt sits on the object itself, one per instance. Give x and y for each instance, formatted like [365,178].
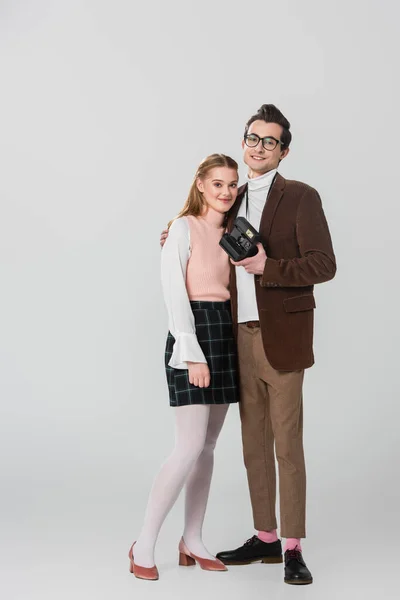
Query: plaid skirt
[214,332]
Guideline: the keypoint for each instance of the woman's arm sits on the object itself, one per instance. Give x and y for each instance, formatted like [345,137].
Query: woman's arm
[174,258]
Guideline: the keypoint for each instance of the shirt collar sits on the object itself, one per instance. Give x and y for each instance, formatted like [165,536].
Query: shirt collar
[262,182]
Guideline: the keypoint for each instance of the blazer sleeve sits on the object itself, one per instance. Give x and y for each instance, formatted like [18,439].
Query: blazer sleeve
[317,262]
[174,258]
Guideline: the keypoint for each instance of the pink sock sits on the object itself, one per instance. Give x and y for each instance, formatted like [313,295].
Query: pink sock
[292,544]
[268,536]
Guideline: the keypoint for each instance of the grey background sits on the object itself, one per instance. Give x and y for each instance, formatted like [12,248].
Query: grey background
[106,109]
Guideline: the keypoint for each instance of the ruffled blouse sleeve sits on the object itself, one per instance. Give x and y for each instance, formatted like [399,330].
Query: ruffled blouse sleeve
[174,258]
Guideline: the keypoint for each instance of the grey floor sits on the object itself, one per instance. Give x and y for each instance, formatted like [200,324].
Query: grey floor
[80,551]
[68,517]
[84,572]
[67,521]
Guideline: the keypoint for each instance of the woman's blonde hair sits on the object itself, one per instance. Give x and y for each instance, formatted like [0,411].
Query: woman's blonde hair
[195,202]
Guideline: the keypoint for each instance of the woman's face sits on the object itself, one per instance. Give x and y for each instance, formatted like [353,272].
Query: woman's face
[219,188]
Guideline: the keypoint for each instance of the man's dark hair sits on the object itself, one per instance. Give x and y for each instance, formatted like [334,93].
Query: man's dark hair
[270,114]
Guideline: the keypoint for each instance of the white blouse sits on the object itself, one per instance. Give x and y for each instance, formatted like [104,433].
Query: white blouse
[174,258]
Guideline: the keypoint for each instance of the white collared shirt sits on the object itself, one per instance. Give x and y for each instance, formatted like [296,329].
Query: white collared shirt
[258,189]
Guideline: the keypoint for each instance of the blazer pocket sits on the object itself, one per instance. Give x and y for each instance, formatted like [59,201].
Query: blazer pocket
[298,303]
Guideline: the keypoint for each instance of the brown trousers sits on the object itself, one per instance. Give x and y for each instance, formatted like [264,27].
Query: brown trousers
[271,411]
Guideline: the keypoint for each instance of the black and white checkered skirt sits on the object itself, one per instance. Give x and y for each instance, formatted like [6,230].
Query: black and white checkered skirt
[214,332]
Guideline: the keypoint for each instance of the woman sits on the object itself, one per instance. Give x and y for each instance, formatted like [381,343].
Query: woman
[200,362]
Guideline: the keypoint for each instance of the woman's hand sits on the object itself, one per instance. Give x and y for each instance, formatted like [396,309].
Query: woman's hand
[199,374]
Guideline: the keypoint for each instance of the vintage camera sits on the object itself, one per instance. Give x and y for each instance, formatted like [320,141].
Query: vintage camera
[242,241]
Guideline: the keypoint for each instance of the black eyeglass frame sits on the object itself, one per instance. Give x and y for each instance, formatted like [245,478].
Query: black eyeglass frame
[267,137]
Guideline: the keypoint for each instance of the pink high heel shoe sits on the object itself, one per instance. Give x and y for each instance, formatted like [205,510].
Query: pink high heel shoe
[149,573]
[187,559]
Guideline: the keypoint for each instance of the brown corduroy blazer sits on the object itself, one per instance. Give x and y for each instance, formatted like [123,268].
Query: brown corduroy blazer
[298,245]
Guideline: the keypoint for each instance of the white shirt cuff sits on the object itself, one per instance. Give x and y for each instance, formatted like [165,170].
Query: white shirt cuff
[186,348]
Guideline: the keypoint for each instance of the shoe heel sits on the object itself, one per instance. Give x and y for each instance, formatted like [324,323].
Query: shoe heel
[130,567]
[272,560]
[185,560]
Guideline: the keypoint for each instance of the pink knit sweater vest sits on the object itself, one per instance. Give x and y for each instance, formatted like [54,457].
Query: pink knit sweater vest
[207,274]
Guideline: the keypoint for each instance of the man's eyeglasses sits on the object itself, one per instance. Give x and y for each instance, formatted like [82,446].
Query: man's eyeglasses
[269,143]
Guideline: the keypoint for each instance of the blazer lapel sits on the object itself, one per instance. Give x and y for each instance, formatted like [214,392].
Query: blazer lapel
[236,206]
[232,279]
[267,217]
[270,207]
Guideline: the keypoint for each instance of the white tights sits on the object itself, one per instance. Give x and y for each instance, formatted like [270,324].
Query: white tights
[191,462]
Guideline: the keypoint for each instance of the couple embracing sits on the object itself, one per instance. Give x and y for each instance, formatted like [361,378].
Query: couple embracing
[240,331]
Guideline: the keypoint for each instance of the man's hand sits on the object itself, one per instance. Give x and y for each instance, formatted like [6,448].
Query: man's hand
[199,374]
[163,237]
[255,264]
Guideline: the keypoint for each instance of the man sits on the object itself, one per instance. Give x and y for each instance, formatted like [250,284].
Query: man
[272,309]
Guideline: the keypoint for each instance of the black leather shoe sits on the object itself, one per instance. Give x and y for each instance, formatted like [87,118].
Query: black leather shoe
[296,572]
[254,550]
